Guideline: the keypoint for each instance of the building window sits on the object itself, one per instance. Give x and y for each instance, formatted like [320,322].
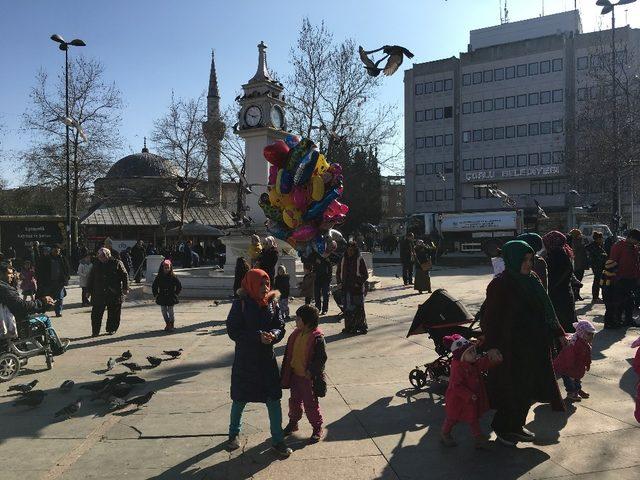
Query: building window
[545,97]
[477,163]
[521,71]
[498,74]
[428,87]
[487,134]
[499,161]
[510,102]
[522,160]
[498,133]
[558,157]
[419,196]
[439,141]
[428,114]
[428,169]
[488,105]
[466,79]
[466,164]
[533,159]
[545,158]
[466,108]
[477,106]
[545,66]
[498,103]
[477,78]
[420,142]
[510,161]
[448,84]
[419,88]
[420,116]
[487,76]
[420,169]
[439,113]
[448,139]
[510,131]
[533,129]
[533,68]
[522,130]
[509,72]
[438,86]
[429,195]
[557,65]
[437,167]
[466,136]
[583,63]
[428,142]
[534,98]
[448,167]
[548,187]
[558,126]
[477,135]
[558,95]
[448,112]
[439,195]
[522,100]
[488,163]
[583,94]
[448,194]
[545,128]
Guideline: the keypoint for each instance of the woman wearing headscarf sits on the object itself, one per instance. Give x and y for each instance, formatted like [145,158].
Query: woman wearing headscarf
[352,276]
[254,324]
[539,264]
[518,319]
[559,258]
[422,280]
[268,257]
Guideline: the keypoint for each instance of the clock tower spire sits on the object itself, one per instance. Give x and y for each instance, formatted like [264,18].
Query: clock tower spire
[213,130]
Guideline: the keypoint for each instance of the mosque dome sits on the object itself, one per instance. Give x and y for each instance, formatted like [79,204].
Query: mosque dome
[142,164]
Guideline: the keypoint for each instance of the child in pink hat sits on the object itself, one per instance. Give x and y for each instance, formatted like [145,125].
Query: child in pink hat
[575,360]
[466,398]
[636,368]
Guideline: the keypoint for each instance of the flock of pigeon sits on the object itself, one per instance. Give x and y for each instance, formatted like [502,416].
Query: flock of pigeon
[112,390]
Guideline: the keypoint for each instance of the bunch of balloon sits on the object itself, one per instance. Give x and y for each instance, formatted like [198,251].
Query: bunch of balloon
[302,201]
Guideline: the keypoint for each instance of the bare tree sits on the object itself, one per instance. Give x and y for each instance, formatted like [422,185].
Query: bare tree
[233,158]
[94,107]
[180,138]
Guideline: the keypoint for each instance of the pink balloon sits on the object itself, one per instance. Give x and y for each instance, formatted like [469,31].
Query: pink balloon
[304,233]
[301,197]
[335,168]
[273,175]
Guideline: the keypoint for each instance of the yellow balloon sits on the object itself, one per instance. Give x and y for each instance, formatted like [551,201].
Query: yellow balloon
[278,178]
[274,197]
[286,200]
[317,188]
[321,165]
[291,217]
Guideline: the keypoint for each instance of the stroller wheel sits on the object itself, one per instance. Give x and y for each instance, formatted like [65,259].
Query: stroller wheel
[9,366]
[417,378]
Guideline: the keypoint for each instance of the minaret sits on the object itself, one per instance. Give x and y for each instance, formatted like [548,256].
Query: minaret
[213,130]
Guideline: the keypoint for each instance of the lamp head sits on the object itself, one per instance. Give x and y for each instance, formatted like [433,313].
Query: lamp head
[76,42]
[625,2]
[57,38]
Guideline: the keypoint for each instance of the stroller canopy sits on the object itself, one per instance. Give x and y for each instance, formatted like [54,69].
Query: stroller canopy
[440,310]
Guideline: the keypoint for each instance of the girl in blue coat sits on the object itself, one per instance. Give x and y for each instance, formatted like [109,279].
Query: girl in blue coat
[255,325]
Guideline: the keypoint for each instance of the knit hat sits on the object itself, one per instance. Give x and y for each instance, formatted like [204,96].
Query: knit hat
[166,261]
[457,344]
[636,343]
[583,326]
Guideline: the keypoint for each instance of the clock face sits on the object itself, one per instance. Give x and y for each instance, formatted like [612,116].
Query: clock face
[277,117]
[252,116]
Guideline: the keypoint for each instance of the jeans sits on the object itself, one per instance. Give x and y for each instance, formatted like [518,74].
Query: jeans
[283,304]
[302,394]
[595,288]
[113,317]
[275,419]
[321,288]
[572,385]
[167,313]
[59,302]
[449,424]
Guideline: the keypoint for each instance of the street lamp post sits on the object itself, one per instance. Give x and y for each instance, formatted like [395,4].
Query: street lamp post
[609,7]
[64,46]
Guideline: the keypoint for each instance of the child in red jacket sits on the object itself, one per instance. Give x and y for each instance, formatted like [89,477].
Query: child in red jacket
[466,398]
[636,368]
[575,360]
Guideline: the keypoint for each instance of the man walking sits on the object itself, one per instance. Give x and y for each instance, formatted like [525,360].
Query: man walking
[53,276]
[138,255]
[625,254]
[107,285]
[407,257]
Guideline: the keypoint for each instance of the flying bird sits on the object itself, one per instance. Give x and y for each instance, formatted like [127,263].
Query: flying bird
[154,361]
[126,355]
[394,54]
[173,353]
[110,364]
[134,367]
[70,409]
[497,193]
[73,123]
[67,385]
[30,399]
[23,387]
[540,211]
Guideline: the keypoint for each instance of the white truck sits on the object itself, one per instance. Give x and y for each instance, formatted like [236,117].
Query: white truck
[468,232]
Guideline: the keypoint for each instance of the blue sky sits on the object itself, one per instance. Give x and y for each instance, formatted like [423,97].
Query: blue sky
[150,48]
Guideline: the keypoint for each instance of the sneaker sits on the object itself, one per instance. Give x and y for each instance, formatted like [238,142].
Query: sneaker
[481,442]
[290,428]
[524,435]
[583,394]
[447,440]
[573,397]
[282,450]
[233,443]
[316,436]
[506,439]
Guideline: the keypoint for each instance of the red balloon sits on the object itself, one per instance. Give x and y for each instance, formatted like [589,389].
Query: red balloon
[276,153]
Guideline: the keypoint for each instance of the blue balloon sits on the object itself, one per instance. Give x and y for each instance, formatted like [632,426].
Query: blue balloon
[306,167]
[317,208]
[286,182]
[319,244]
[292,140]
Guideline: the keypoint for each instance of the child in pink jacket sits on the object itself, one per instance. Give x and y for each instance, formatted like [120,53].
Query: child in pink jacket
[574,360]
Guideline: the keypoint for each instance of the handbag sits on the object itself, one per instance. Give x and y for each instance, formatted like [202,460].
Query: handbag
[426,266]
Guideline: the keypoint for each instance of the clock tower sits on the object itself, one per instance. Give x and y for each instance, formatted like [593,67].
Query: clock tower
[261,122]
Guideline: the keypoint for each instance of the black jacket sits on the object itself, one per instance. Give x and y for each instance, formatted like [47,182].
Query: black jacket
[268,259]
[323,268]
[137,255]
[107,282]
[166,289]
[282,283]
[46,284]
[20,308]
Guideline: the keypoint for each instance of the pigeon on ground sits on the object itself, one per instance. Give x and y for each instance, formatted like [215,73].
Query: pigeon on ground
[173,353]
[134,367]
[216,303]
[67,385]
[133,380]
[70,409]
[397,276]
[119,390]
[116,403]
[30,399]
[110,364]
[154,361]
[394,54]
[95,386]
[141,400]
[126,355]
[23,387]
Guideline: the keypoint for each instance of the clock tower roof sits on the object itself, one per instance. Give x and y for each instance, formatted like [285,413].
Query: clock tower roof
[262,72]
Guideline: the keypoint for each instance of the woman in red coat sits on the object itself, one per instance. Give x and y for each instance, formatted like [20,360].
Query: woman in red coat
[466,398]
[519,320]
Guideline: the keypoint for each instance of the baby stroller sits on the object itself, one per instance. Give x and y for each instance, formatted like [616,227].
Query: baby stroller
[440,315]
[35,336]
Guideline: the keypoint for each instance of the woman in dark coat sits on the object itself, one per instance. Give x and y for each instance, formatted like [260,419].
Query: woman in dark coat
[422,280]
[560,264]
[539,264]
[352,276]
[166,288]
[518,319]
[269,257]
[255,325]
